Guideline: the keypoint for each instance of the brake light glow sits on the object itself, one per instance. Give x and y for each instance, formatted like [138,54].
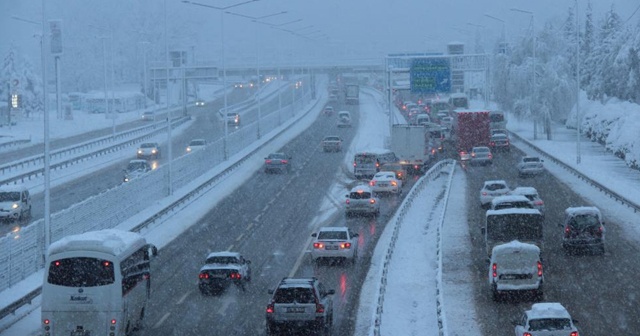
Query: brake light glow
[494,269]
[473,154]
[574,333]
[372,201]
[267,161]
[46,321]
[490,156]
[567,231]
[484,193]
[354,164]
[319,308]
[235,276]
[284,161]
[528,334]
[318,245]
[372,183]
[538,202]
[270,309]
[203,276]
[113,321]
[348,201]
[539,269]
[345,245]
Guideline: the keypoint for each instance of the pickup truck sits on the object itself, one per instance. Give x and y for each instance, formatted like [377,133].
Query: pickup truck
[332,143]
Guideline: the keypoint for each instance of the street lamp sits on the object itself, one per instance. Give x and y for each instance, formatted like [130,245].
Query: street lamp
[504,33]
[47,146]
[578,116]
[533,32]
[224,69]
[144,73]
[259,82]
[108,113]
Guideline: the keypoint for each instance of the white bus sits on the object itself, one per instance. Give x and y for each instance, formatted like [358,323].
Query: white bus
[96,283]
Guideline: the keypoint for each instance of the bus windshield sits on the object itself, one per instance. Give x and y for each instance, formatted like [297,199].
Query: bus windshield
[81,272]
[365,159]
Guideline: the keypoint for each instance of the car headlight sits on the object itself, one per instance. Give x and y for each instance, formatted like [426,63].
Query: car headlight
[15,206]
[153,151]
[139,151]
[188,149]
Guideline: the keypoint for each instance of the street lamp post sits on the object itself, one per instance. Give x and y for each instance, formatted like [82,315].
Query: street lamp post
[144,73]
[578,116]
[224,69]
[104,62]
[533,73]
[504,32]
[168,98]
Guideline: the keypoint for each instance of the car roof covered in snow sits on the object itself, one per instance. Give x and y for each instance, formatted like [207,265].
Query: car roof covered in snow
[547,310]
[583,210]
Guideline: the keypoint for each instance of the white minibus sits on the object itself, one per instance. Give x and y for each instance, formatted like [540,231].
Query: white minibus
[96,283]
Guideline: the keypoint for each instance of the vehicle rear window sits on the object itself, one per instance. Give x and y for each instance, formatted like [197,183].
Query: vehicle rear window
[221,260]
[360,195]
[81,272]
[584,221]
[495,186]
[291,295]
[549,324]
[510,205]
[535,159]
[332,235]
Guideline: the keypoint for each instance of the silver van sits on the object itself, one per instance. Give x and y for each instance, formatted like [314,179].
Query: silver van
[15,203]
[367,164]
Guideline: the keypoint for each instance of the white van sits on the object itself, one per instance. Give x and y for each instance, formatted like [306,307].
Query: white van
[516,267]
[367,164]
[15,203]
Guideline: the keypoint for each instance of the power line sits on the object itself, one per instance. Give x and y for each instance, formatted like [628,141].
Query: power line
[634,13]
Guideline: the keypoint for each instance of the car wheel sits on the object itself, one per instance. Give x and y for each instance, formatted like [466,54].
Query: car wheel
[539,295]
[495,293]
[602,250]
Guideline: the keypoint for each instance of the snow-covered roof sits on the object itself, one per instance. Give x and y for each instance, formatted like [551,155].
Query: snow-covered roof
[509,198]
[495,182]
[515,245]
[583,210]
[13,188]
[111,241]
[547,310]
[223,254]
[333,228]
[524,191]
[513,211]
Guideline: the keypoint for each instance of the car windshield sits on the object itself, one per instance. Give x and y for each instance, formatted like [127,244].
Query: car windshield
[197,143]
[549,324]
[341,235]
[9,196]
[495,186]
[277,156]
[148,145]
[481,150]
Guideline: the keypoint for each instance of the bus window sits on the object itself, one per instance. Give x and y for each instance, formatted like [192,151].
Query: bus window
[81,272]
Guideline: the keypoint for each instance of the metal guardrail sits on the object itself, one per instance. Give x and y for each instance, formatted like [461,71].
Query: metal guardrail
[64,164]
[14,143]
[623,200]
[196,193]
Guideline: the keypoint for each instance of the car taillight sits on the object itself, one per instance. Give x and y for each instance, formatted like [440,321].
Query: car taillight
[473,154]
[540,203]
[235,276]
[526,334]
[372,201]
[484,193]
[574,333]
[494,270]
[377,165]
[319,308]
[490,156]
[345,245]
[539,268]
[372,183]
[600,231]
[492,144]
[267,161]
[270,308]
[348,201]
[567,231]
[284,161]
[318,245]
[394,183]
[354,164]
[203,275]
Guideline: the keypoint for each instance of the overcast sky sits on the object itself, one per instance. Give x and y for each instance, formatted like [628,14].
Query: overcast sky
[348,26]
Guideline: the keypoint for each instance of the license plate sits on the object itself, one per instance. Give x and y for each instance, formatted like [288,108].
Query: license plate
[81,333]
[295,310]
[331,248]
[383,185]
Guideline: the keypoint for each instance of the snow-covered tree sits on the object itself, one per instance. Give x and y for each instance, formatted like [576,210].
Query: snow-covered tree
[17,68]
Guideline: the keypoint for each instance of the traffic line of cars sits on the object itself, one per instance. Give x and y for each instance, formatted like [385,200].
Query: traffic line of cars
[514,242]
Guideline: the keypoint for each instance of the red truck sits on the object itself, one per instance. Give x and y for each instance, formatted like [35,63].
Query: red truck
[470,128]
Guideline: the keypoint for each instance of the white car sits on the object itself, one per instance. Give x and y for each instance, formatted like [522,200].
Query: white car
[385,182]
[149,150]
[491,189]
[516,267]
[532,194]
[344,119]
[135,169]
[335,242]
[360,200]
[196,144]
[544,319]
[511,201]
[530,165]
[222,269]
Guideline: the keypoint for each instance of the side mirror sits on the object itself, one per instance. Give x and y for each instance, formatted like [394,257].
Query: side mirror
[515,322]
[347,195]
[574,321]
[314,234]
[355,235]
[331,292]
[270,291]
[483,230]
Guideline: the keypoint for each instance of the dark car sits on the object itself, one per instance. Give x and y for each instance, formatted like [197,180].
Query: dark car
[222,269]
[277,163]
[499,142]
[583,229]
[300,303]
